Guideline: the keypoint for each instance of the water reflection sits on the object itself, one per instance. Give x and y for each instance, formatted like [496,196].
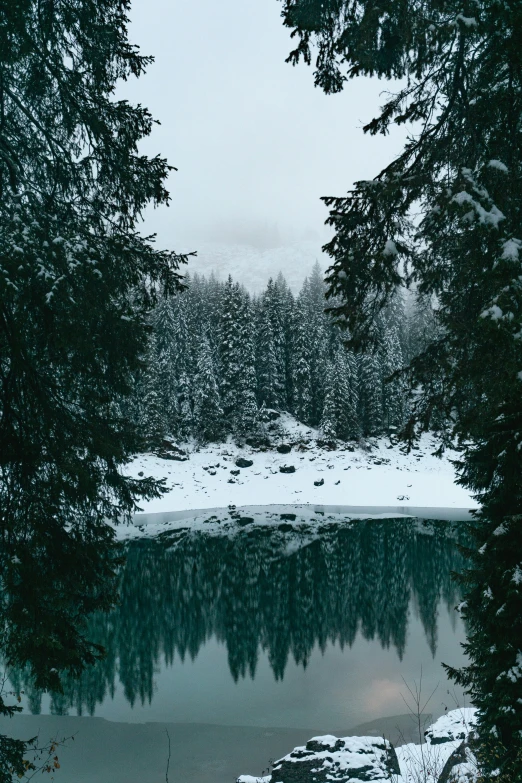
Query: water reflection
[278,590]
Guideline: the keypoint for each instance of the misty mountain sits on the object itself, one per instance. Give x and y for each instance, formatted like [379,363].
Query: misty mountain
[253,265]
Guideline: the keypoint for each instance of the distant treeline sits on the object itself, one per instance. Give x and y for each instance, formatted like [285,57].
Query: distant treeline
[220,359]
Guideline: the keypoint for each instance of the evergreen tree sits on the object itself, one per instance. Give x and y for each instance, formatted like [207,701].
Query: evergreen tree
[246,418]
[285,308]
[214,293]
[393,393]
[165,330]
[77,285]
[237,360]
[154,413]
[462,84]
[371,394]
[184,404]
[183,368]
[270,351]
[339,419]
[318,323]
[423,327]
[230,349]
[208,414]
[301,363]
[353,362]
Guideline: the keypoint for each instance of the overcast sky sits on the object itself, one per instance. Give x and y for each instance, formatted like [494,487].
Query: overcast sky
[256,144]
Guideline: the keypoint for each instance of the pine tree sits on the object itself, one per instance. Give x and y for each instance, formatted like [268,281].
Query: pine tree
[311,319]
[285,307]
[270,351]
[184,426]
[339,418]
[165,331]
[154,412]
[208,414]
[236,360]
[301,364]
[460,66]
[77,285]
[423,327]
[318,326]
[371,394]
[393,393]
[183,366]
[246,418]
[353,362]
[230,349]
[273,301]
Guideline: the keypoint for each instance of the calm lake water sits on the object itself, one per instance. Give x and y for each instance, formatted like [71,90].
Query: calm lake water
[315,627]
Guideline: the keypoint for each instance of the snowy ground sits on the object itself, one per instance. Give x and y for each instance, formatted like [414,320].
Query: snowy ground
[381,476]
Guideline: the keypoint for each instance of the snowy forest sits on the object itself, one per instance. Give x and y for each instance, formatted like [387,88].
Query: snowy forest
[222,360]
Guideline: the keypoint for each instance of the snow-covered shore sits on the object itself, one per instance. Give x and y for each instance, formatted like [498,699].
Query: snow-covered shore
[382,476]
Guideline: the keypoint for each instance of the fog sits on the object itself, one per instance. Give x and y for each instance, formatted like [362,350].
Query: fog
[255,143]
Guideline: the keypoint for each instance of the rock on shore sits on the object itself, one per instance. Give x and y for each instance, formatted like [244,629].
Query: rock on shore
[365,759]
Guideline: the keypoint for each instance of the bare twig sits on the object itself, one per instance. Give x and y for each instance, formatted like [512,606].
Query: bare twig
[168,759]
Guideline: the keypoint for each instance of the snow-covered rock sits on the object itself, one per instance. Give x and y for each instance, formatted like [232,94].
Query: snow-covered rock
[444,756]
[344,760]
[454,725]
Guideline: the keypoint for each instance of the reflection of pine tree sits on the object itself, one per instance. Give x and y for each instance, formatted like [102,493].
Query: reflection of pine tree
[250,592]
[430,579]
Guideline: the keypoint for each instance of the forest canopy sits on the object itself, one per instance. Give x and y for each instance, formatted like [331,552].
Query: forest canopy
[220,360]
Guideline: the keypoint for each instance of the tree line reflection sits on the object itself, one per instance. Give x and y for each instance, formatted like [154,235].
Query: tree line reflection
[276,590]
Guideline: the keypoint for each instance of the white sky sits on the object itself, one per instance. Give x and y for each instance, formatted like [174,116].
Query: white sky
[256,144]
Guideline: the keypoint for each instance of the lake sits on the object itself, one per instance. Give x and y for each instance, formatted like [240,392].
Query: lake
[243,638]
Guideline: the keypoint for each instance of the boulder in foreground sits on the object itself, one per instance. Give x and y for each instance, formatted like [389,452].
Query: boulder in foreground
[329,759]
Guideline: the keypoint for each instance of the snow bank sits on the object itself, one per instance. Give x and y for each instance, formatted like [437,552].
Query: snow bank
[381,476]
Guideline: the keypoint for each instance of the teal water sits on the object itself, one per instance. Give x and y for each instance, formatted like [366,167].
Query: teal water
[275,626]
